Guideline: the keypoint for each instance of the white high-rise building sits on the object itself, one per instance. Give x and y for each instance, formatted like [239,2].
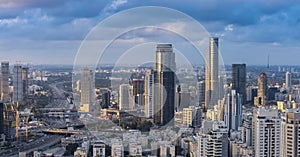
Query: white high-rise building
[213,139]
[149,88]
[290,133]
[17,83]
[266,132]
[233,111]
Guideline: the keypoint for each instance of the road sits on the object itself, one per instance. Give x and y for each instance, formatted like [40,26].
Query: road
[40,143]
[47,140]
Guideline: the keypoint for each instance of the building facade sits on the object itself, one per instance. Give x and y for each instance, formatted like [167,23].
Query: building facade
[239,80]
[262,91]
[266,132]
[212,75]
[86,90]
[290,133]
[18,84]
[148,94]
[164,88]
[233,111]
[4,84]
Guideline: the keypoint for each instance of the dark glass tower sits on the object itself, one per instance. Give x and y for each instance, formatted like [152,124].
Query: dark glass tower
[164,88]
[239,80]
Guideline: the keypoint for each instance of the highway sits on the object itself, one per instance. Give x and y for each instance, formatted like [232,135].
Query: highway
[45,141]
[40,143]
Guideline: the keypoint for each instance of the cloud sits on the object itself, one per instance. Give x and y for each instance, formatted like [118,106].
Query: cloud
[229,28]
[252,22]
[113,6]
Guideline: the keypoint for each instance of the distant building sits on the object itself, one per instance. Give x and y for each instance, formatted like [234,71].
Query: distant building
[233,111]
[288,80]
[87,90]
[137,86]
[105,99]
[266,132]
[192,116]
[239,80]
[290,133]
[262,91]
[18,94]
[149,88]
[4,84]
[25,81]
[125,97]
[201,92]
[164,80]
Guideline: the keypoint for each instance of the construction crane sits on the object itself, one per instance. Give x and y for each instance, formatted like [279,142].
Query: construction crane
[27,118]
[15,108]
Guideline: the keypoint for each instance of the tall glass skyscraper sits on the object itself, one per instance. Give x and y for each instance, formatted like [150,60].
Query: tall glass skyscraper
[18,83]
[164,80]
[212,74]
[239,80]
[4,88]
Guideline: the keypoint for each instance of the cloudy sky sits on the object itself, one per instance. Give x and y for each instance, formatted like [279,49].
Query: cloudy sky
[51,31]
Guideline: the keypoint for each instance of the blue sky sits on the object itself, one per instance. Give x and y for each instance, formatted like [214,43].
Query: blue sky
[50,31]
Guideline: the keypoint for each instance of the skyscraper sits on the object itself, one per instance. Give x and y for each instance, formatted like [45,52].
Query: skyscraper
[4,88]
[260,100]
[266,132]
[18,83]
[149,87]
[201,92]
[212,75]
[125,97]
[25,80]
[239,80]
[105,103]
[233,111]
[290,133]
[164,88]
[288,80]
[86,87]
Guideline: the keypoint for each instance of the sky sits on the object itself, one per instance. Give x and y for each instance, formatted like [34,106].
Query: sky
[51,31]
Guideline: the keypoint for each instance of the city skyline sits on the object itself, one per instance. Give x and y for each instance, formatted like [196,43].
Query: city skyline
[149,78]
[41,32]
